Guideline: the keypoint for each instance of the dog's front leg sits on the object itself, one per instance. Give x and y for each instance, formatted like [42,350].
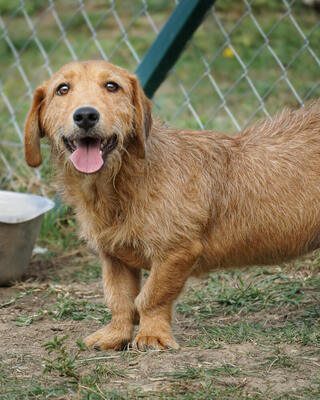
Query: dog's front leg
[121,287]
[155,301]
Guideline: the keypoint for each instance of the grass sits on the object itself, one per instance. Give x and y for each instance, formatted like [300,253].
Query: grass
[248,332]
[14,299]
[58,232]
[228,292]
[237,296]
[63,363]
[188,372]
[239,341]
[67,307]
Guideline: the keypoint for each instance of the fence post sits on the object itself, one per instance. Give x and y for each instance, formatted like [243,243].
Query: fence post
[166,49]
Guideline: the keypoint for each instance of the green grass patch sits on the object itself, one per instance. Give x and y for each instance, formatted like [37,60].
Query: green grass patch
[191,372]
[90,272]
[68,308]
[16,298]
[247,332]
[227,293]
[59,230]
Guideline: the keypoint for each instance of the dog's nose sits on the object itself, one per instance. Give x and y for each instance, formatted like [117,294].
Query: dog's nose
[86,117]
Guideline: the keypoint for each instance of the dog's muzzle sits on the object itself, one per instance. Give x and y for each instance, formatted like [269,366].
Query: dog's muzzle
[89,153]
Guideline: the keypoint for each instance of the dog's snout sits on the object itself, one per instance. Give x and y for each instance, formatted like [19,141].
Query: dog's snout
[86,117]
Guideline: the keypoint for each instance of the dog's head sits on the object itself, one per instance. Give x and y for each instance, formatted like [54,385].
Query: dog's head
[91,111]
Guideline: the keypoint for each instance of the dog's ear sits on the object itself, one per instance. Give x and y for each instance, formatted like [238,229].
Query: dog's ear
[143,119]
[33,130]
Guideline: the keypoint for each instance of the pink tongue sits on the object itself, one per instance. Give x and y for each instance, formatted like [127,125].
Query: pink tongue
[87,157]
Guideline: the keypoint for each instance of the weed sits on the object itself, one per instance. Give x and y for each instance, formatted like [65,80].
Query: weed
[63,362]
[91,272]
[59,233]
[16,298]
[107,370]
[26,320]
[68,365]
[227,293]
[191,372]
[281,361]
[67,307]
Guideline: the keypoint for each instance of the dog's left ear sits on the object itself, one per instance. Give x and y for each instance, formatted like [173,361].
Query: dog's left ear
[143,119]
[33,130]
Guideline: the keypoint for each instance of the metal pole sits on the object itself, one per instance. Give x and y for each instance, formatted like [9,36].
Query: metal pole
[167,47]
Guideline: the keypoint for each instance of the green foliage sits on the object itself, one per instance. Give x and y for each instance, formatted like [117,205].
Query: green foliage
[59,231]
[227,293]
[246,331]
[17,297]
[191,372]
[91,272]
[68,364]
[13,6]
[63,362]
[26,320]
[258,6]
[67,307]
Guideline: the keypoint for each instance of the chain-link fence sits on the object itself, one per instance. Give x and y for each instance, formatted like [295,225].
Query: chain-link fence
[246,61]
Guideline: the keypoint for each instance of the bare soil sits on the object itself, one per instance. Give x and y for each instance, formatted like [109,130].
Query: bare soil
[257,370]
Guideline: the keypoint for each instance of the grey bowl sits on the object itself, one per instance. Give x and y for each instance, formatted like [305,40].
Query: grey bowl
[20,220]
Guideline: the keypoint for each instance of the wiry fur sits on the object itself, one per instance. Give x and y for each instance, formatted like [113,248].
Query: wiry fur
[180,203]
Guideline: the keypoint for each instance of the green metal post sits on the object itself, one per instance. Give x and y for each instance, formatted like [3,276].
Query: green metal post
[167,47]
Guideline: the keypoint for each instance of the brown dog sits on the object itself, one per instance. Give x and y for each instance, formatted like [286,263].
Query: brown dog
[177,203]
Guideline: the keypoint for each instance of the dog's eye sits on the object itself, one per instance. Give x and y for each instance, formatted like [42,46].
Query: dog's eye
[112,87]
[62,89]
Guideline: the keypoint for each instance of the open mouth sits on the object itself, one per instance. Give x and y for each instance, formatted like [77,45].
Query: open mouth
[88,154]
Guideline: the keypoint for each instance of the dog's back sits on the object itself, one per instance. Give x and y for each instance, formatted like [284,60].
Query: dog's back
[269,206]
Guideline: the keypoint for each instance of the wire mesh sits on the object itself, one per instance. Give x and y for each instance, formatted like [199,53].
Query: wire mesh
[246,61]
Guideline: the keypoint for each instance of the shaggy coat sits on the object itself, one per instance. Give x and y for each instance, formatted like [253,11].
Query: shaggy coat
[175,202]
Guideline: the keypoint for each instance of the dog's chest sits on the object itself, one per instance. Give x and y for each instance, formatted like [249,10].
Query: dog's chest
[134,257]
[120,240]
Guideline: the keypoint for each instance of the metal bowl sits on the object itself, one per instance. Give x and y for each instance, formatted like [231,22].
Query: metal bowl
[20,220]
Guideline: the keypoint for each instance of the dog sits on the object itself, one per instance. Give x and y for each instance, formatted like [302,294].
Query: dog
[178,203]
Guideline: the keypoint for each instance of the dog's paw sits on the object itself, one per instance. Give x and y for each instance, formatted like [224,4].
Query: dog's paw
[154,341]
[108,338]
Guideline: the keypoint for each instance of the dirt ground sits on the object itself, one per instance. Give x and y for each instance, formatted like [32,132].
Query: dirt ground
[54,302]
